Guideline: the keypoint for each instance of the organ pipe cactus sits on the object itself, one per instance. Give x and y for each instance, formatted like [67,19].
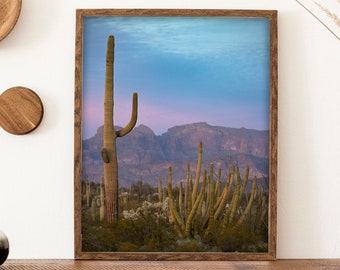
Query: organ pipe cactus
[249,205]
[209,209]
[109,152]
[176,219]
[191,201]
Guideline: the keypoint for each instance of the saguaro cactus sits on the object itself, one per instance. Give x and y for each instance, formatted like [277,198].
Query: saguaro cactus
[102,200]
[109,152]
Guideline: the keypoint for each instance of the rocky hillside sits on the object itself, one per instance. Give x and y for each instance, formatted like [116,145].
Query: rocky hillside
[144,154]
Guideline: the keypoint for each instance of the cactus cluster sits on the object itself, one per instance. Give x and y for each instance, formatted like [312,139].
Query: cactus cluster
[94,199]
[200,206]
[207,211]
[215,206]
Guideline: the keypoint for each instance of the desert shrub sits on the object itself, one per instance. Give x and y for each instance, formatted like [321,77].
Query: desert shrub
[97,236]
[190,245]
[147,231]
[241,240]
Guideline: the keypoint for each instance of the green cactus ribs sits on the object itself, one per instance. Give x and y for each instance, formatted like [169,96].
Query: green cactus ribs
[208,209]
[109,151]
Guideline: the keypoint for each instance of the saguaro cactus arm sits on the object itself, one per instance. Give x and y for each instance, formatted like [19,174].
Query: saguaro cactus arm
[124,131]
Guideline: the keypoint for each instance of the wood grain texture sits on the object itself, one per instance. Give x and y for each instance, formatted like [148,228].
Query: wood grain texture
[152,256]
[137,265]
[78,135]
[9,14]
[273,134]
[21,110]
[177,12]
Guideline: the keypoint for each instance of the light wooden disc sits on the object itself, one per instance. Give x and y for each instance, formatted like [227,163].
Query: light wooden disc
[9,14]
[21,110]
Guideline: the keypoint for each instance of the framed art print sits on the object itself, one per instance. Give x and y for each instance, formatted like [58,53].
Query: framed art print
[175,134]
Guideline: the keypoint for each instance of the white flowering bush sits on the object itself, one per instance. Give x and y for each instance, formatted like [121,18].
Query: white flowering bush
[158,210]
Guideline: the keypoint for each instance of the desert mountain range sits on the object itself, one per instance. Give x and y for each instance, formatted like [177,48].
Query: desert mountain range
[141,153]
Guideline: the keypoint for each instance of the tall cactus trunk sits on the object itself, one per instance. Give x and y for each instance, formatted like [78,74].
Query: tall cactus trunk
[109,152]
[102,200]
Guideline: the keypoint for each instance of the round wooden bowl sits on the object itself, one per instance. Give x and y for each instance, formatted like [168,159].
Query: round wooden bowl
[9,14]
[21,110]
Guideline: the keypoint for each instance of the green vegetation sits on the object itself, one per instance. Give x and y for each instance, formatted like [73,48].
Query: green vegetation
[212,213]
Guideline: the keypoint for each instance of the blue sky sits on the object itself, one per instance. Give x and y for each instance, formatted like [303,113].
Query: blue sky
[184,69]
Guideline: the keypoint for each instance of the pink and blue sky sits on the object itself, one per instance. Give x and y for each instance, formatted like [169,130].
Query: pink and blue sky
[184,69]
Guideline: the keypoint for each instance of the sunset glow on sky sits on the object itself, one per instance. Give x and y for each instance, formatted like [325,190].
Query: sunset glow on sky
[184,69]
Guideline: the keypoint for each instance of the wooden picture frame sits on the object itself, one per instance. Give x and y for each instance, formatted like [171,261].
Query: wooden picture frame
[196,246]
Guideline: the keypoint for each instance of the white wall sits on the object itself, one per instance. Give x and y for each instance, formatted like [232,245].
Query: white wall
[36,170]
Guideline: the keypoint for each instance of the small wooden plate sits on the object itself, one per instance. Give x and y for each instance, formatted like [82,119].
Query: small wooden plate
[21,110]
[9,14]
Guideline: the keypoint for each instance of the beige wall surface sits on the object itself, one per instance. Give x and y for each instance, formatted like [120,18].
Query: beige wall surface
[36,170]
